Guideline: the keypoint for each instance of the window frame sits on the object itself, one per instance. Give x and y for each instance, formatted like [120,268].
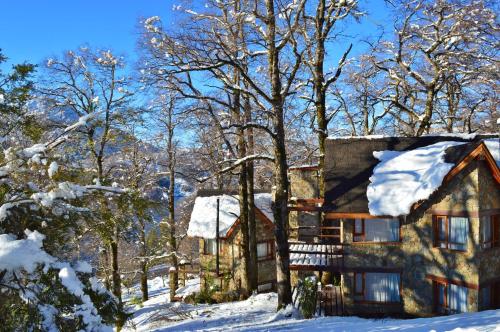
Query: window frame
[362,234]
[494,221]
[445,308]
[437,242]
[363,294]
[493,290]
[270,251]
[205,247]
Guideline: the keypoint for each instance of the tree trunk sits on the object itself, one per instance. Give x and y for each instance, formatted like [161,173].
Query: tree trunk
[366,125]
[105,268]
[116,279]
[281,217]
[252,226]
[242,190]
[320,94]
[280,178]
[243,198]
[425,124]
[144,265]
[172,241]
[115,272]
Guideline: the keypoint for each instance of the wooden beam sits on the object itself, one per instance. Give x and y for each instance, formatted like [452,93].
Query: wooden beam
[305,208]
[480,150]
[452,281]
[309,200]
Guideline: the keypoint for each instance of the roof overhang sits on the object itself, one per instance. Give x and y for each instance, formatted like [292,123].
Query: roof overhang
[480,152]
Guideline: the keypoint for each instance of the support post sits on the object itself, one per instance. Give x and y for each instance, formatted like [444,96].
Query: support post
[217,241]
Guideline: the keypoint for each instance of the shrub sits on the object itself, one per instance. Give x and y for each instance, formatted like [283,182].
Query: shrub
[136,300]
[307,292]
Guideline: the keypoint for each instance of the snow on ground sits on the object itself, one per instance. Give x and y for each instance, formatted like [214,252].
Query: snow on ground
[258,314]
[406,177]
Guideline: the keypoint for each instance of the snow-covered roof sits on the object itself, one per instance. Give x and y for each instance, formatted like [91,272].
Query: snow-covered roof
[493,145]
[452,135]
[204,216]
[402,178]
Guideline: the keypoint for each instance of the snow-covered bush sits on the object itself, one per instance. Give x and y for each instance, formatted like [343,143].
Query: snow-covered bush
[40,212]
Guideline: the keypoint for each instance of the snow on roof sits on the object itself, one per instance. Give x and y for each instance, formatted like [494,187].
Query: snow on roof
[204,216]
[493,145]
[361,137]
[403,178]
[264,202]
[454,135]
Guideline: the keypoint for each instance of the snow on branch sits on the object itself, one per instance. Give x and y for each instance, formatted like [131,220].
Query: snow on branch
[236,163]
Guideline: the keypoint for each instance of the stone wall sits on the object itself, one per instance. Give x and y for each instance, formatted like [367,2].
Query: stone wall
[303,184]
[489,204]
[231,268]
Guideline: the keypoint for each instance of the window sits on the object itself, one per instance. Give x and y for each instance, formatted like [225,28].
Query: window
[376,230]
[485,295]
[210,246]
[359,284]
[265,250]
[377,287]
[490,231]
[490,296]
[450,298]
[451,232]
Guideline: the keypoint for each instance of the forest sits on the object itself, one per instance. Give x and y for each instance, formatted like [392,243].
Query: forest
[102,156]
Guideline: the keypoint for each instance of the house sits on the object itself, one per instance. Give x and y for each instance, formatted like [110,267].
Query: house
[203,225]
[408,225]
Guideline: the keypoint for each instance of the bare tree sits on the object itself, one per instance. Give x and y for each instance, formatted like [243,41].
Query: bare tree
[317,37]
[270,43]
[435,43]
[80,84]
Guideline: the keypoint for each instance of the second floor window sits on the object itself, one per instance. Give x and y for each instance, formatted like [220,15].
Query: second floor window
[490,231]
[265,250]
[376,230]
[210,246]
[451,232]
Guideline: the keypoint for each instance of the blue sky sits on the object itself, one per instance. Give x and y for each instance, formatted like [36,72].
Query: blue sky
[32,30]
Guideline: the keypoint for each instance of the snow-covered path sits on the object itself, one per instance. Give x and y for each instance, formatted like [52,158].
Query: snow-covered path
[258,314]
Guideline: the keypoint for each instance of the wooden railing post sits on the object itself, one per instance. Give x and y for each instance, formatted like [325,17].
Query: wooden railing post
[171,282]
